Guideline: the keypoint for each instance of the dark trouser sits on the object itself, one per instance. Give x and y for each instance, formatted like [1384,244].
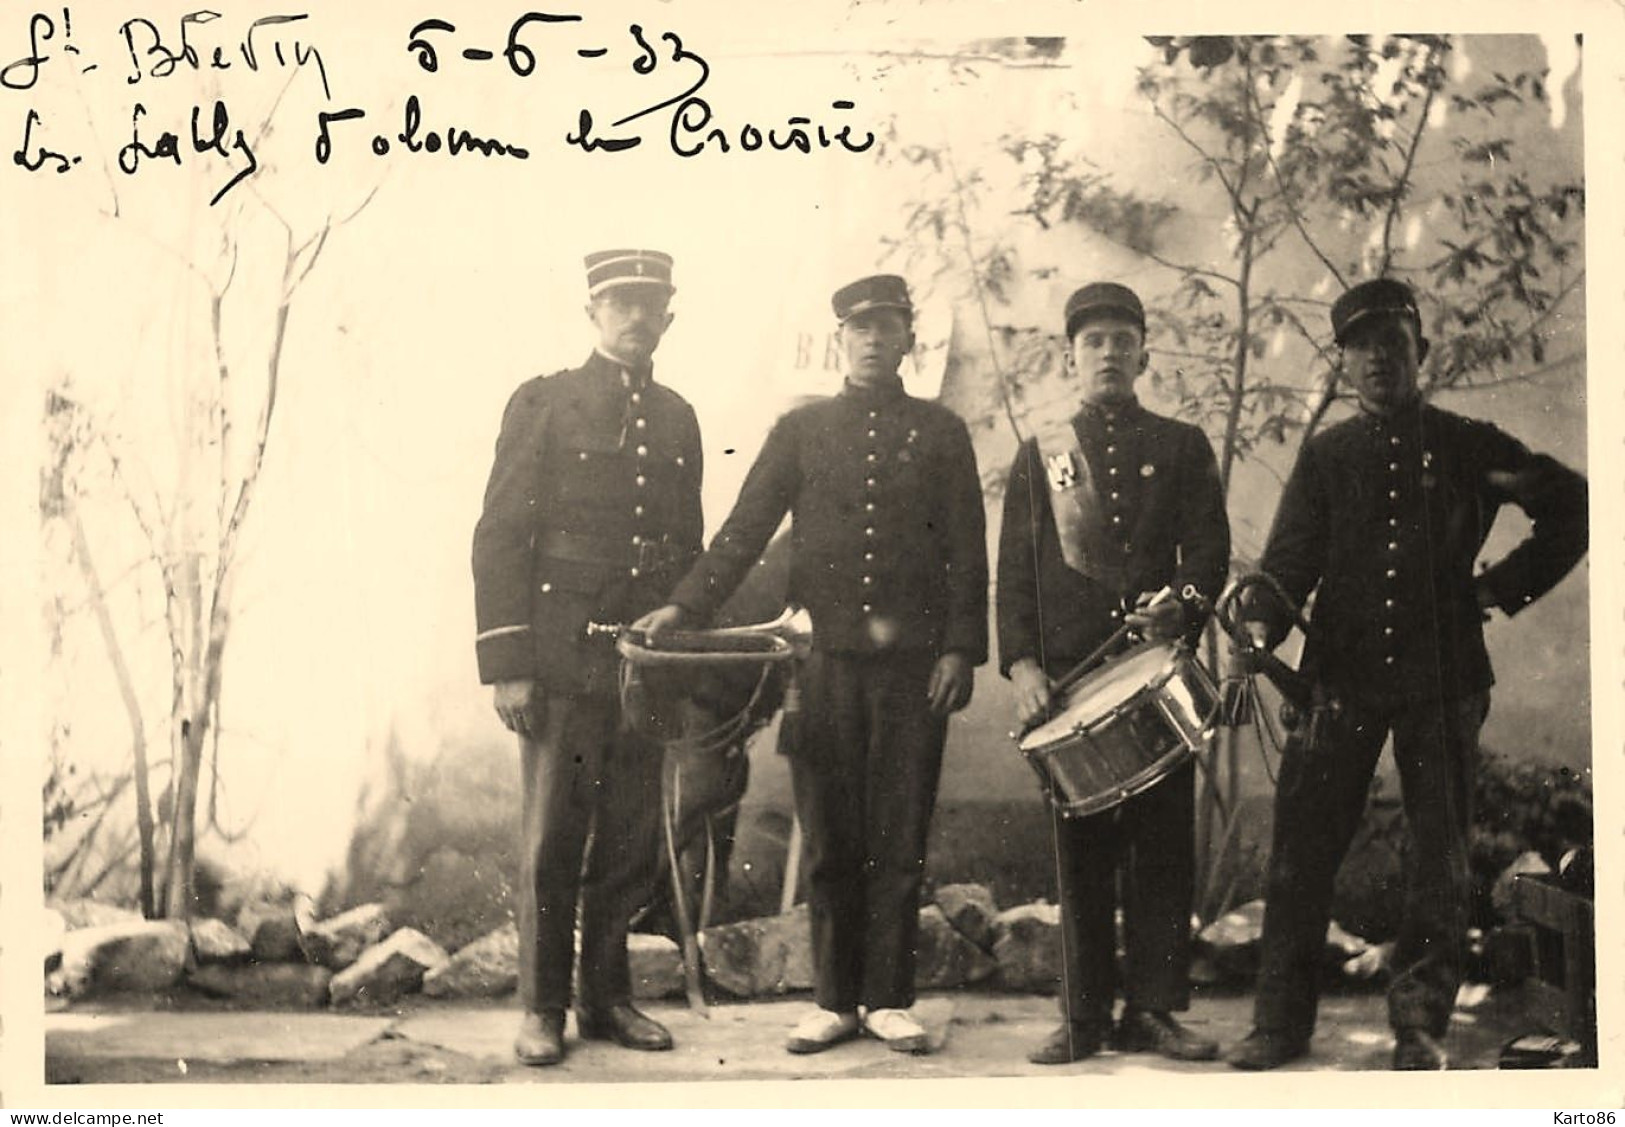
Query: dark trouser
[583,777]
[1145,848]
[865,770]
[1319,802]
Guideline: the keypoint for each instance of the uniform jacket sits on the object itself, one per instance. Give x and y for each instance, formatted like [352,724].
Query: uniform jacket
[591,513]
[1387,517]
[888,539]
[1160,493]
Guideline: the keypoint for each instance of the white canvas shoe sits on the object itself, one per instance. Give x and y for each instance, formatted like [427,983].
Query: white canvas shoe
[820,1030]
[898,1029]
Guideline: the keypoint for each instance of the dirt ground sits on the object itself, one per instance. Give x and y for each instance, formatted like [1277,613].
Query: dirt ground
[178,1041]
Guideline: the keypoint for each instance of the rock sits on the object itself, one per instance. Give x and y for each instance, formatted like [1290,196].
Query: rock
[657,966]
[489,967]
[948,959]
[243,882]
[1577,871]
[970,909]
[1227,949]
[93,913]
[1202,971]
[1527,864]
[752,958]
[339,941]
[387,970]
[53,930]
[1229,944]
[265,985]
[1342,947]
[271,932]
[1371,963]
[134,956]
[485,968]
[1027,947]
[437,842]
[214,941]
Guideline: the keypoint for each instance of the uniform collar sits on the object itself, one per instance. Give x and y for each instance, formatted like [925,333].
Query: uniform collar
[1128,411]
[885,391]
[632,379]
[1406,418]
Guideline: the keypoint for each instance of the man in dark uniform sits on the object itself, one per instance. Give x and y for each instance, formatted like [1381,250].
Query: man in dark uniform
[1101,511]
[1385,513]
[591,514]
[889,555]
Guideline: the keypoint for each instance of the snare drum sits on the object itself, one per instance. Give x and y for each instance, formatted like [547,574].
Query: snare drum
[1123,728]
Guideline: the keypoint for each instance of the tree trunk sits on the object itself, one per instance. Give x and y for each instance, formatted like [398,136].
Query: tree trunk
[183,839]
[1220,786]
[132,705]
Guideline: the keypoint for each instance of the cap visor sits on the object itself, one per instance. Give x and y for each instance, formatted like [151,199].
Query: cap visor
[1366,314]
[611,283]
[866,306]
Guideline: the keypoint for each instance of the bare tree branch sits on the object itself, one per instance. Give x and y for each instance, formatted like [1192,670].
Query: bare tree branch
[131,700]
[1291,318]
[222,407]
[148,532]
[1207,158]
[1185,268]
[367,199]
[263,130]
[118,855]
[1402,184]
[318,242]
[102,804]
[1286,198]
[981,299]
[1527,376]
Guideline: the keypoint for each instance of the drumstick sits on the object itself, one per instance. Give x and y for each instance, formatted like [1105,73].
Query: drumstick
[1080,670]
[1076,673]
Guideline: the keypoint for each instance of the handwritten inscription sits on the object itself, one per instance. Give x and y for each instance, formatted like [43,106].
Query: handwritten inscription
[414,138]
[213,139]
[151,56]
[676,113]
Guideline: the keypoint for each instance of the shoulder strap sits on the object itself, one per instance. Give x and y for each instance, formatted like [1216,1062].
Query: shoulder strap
[1080,522]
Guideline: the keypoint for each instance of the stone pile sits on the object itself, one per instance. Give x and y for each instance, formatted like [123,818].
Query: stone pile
[1226,951]
[279,955]
[282,956]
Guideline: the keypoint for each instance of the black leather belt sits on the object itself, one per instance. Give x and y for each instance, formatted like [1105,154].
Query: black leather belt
[645,553]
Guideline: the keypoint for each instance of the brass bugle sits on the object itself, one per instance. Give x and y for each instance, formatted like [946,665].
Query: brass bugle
[789,635]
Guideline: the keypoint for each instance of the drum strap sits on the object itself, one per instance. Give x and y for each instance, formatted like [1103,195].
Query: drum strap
[1080,519]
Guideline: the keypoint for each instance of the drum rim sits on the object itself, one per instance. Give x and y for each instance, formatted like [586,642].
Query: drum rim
[1163,675]
[1136,784]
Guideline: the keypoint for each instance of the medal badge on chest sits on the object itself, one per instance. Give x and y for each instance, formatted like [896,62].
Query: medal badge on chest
[1062,469]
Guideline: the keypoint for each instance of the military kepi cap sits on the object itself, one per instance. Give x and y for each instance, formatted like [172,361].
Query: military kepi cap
[878,291]
[1373,299]
[1103,297]
[609,268]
